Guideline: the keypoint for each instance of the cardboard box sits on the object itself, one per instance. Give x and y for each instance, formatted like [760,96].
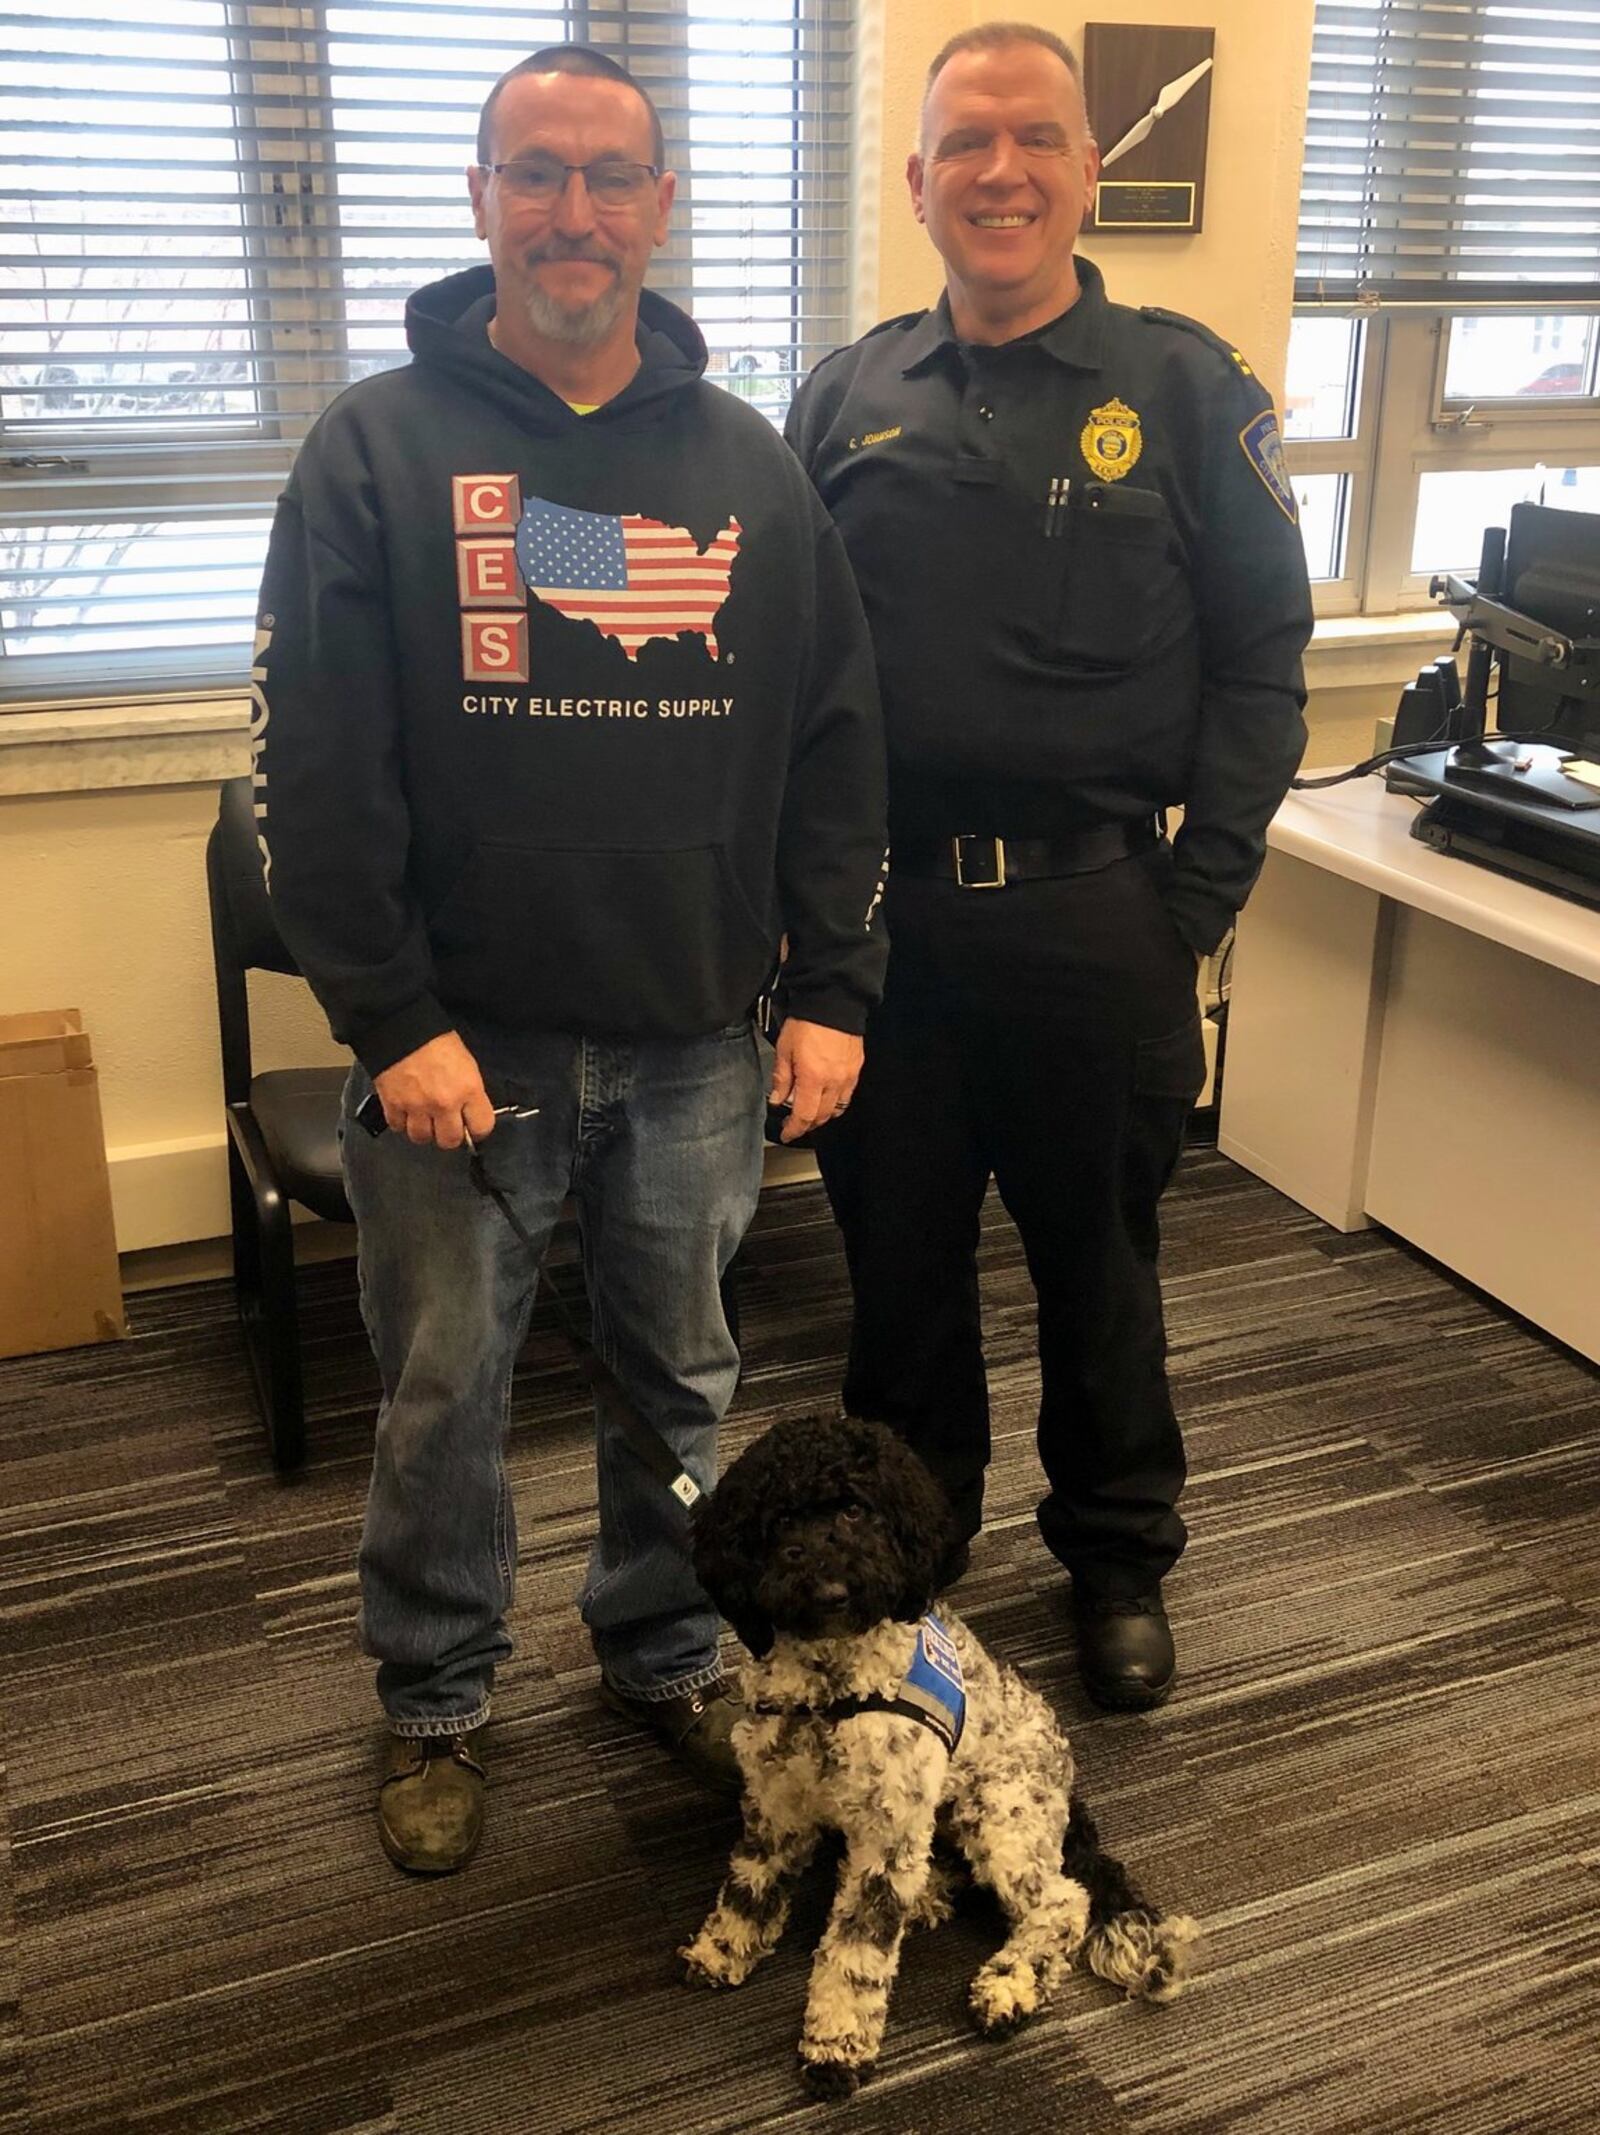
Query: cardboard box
[59,1282]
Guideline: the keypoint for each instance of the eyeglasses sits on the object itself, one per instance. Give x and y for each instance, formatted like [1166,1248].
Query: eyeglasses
[611,181]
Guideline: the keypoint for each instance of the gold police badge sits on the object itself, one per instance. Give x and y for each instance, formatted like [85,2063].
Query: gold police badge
[1111,441]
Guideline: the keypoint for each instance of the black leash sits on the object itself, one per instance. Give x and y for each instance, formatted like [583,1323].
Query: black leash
[607,1388]
[646,1441]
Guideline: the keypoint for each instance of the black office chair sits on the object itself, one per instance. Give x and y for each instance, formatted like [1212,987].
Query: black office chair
[282,1128]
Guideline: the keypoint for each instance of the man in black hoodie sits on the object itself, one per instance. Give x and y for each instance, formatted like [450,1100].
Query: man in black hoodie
[565,714]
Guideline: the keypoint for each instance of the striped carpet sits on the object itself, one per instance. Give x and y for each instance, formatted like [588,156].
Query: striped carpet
[1378,1784]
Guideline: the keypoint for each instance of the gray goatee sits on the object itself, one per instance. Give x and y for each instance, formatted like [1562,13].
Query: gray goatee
[578,325]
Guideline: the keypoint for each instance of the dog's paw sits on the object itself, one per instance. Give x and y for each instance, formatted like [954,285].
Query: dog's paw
[1004,1996]
[1150,1959]
[832,2079]
[707,1964]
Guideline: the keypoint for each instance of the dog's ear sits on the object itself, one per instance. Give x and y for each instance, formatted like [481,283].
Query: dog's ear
[728,1554]
[918,1515]
[754,1632]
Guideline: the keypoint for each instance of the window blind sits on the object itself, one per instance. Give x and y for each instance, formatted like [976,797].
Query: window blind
[1452,154]
[214,211]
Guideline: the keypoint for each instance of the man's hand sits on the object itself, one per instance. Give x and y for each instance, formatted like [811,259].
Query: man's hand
[432,1093]
[814,1074]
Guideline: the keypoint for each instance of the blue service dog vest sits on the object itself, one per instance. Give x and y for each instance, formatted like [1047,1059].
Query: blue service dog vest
[933,1692]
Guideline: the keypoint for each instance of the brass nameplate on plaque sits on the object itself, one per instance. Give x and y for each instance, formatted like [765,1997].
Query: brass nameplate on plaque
[1123,205]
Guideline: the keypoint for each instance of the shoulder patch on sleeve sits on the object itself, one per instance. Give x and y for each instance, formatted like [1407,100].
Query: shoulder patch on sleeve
[1262,444]
[1187,325]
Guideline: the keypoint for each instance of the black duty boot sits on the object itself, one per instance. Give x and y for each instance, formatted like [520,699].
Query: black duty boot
[1125,1652]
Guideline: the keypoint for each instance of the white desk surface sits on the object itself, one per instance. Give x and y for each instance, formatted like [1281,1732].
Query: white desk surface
[1363,833]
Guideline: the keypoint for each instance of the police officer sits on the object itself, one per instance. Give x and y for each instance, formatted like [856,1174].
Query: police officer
[1077,547]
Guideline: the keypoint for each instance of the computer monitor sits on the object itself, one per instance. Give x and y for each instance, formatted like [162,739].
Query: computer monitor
[1552,575]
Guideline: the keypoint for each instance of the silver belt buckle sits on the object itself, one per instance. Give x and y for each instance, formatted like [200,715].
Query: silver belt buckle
[996,879]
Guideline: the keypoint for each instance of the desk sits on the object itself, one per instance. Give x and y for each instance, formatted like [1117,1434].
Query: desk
[1415,1041]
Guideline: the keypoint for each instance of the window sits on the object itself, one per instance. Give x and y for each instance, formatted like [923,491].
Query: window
[217,209]
[1443,360]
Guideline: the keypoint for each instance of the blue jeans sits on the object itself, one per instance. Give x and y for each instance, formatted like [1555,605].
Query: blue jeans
[659,1143]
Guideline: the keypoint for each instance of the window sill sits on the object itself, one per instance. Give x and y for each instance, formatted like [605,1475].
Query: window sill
[98,746]
[1370,651]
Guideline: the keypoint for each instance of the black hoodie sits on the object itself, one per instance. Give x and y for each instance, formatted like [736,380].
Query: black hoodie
[561,720]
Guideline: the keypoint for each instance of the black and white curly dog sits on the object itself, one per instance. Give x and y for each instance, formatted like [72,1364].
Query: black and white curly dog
[869,1716]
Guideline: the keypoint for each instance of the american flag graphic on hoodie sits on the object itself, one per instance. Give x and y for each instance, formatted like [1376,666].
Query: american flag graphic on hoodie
[635,579]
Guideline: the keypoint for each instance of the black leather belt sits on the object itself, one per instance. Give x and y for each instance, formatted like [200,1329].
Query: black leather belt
[982,862]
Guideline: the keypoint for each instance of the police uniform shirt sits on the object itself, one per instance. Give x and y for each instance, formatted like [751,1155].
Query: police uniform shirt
[1079,556]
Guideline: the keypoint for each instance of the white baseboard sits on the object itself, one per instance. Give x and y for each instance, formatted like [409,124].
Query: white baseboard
[1208,1038]
[167,1193]
[172,1193]
[176,1193]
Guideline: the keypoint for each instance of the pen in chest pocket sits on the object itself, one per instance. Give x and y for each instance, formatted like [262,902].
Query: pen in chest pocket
[1055,505]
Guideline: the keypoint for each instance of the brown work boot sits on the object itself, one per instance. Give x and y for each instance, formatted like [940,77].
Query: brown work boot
[696,1725]
[430,1803]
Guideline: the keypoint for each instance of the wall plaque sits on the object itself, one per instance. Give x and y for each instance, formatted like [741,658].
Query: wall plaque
[1148,90]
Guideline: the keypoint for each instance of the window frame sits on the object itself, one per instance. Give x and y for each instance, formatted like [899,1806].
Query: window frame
[1350,457]
[292,361]
[1422,123]
[1406,428]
